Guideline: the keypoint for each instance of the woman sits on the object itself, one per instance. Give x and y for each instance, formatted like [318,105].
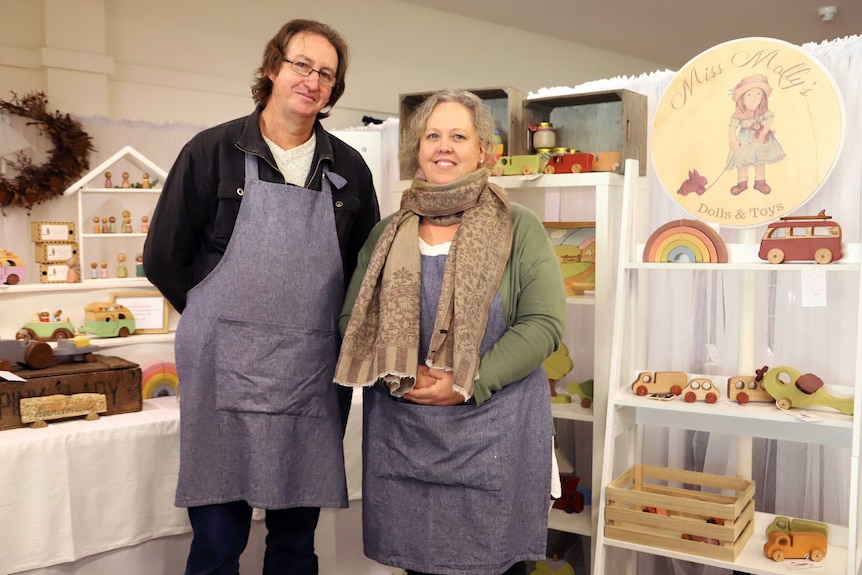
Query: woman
[457,421]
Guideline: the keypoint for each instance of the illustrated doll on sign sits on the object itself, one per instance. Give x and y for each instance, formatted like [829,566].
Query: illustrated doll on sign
[751,138]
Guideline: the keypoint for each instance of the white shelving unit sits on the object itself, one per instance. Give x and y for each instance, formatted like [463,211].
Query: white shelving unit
[581,197]
[95,200]
[627,414]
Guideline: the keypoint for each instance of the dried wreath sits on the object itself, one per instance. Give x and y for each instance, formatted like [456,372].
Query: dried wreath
[67,161]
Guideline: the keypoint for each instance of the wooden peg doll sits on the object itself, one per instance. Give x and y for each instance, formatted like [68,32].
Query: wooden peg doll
[122,272]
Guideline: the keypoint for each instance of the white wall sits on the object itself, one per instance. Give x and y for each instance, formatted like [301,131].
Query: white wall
[168,61]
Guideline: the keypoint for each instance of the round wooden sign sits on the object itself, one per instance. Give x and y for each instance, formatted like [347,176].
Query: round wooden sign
[747,132]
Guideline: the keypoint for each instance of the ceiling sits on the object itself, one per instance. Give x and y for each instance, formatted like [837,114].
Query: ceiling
[666,32]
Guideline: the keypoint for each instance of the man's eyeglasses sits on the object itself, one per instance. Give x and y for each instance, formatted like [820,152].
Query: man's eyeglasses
[325,77]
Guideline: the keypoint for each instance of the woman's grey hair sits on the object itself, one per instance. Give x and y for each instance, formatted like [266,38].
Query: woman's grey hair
[483,121]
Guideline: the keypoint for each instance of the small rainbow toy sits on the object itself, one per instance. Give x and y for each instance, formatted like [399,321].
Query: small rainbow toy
[685,241]
[159,379]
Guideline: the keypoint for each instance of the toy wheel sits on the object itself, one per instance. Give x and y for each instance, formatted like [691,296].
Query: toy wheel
[778,555]
[5,364]
[124,332]
[816,555]
[742,398]
[783,403]
[586,402]
[577,169]
[676,390]
[690,397]
[823,256]
[12,279]
[641,390]
[711,398]
[775,256]
[62,333]
[526,170]
[25,333]
[549,169]
[39,355]
[89,358]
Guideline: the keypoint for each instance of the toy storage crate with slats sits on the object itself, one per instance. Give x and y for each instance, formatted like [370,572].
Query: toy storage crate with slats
[685,511]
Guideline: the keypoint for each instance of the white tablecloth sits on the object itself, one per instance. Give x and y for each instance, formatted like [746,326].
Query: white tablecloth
[78,488]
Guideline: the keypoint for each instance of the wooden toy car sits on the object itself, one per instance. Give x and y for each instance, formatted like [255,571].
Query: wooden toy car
[521,165]
[795,545]
[108,319]
[12,270]
[584,390]
[569,163]
[795,238]
[571,500]
[790,388]
[745,388]
[607,161]
[33,354]
[649,382]
[45,328]
[75,349]
[700,388]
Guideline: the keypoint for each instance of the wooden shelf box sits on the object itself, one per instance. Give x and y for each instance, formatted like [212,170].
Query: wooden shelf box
[609,121]
[506,105]
[681,511]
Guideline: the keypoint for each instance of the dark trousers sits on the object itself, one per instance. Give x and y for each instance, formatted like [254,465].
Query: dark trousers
[221,534]
[516,569]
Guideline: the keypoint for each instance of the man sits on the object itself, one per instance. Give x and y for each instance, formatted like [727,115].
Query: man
[253,240]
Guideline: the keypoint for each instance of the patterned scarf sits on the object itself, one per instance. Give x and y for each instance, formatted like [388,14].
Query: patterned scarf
[382,338]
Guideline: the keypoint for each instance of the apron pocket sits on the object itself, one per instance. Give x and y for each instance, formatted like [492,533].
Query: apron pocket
[274,368]
[461,446]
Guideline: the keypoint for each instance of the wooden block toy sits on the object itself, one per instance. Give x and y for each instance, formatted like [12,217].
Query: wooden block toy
[790,388]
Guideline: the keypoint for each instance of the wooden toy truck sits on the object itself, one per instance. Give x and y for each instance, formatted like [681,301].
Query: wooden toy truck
[649,382]
[795,545]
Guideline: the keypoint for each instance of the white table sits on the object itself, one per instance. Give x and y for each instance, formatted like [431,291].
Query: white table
[89,496]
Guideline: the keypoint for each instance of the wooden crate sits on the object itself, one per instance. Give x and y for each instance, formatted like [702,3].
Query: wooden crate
[506,104]
[691,500]
[609,121]
[118,379]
